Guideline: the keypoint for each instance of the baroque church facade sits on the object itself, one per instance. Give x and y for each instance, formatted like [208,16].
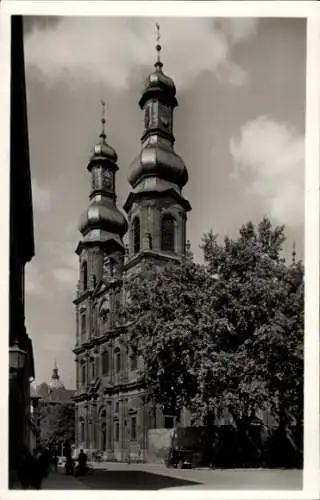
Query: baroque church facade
[111,412]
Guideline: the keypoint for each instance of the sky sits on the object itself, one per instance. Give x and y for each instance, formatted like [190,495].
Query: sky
[239,127]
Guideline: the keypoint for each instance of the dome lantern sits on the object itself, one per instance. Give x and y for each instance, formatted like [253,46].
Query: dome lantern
[55,382]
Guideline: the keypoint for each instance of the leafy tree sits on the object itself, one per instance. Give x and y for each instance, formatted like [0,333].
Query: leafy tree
[165,310]
[254,349]
[57,422]
[226,335]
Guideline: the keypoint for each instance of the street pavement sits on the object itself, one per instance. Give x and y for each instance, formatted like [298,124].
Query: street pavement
[119,476]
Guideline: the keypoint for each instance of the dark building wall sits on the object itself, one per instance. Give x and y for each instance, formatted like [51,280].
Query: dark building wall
[21,247]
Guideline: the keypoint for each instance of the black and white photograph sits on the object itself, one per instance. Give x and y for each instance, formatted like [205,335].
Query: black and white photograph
[157,252]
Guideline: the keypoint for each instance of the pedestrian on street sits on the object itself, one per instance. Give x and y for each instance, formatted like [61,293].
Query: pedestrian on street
[46,460]
[25,468]
[82,468]
[38,468]
[54,459]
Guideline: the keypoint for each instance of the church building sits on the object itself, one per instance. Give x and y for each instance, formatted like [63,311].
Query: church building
[111,413]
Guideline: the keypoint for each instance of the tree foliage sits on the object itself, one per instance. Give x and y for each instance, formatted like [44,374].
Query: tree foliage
[57,422]
[226,335]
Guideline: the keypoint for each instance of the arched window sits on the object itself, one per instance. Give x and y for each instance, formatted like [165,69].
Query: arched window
[136,234]
[167,233]
[105,363]
[85,275]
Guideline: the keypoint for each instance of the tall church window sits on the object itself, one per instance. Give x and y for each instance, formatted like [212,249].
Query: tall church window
[85,275]
[94,320]
[82,436]
[83,325]
[117,433]
[167,233]
[105,363]
[118,361]
[103,430]
[97,361]
[133,428]
[92,366]
[134,361]
[136,234]
[83,374]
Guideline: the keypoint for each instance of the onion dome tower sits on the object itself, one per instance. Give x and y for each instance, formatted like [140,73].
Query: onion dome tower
[102,225]
[155,206]
[55,382]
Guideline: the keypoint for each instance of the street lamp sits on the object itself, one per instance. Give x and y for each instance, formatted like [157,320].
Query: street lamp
[16,357]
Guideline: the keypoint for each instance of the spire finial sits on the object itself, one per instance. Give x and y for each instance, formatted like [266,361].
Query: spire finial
[158,64]
[294,253]
[55,374]
[103,120]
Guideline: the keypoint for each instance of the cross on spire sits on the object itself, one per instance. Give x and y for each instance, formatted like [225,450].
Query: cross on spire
[294,253]
[103,120]
[158,46]
[55,374]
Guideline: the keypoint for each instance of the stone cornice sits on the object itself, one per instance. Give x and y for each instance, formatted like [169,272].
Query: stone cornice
[150,253]
[156,194]
[96,341]
[90,392]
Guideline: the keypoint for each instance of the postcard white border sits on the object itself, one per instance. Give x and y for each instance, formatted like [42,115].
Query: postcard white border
[308,10]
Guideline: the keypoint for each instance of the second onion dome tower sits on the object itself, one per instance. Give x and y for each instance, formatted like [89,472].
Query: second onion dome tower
[155,206]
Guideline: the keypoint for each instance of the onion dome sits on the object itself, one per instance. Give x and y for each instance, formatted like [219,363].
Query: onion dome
[55,382]
[103,151]
[157,82]
[160,84]
[159,79]
[103,214]
[160,160]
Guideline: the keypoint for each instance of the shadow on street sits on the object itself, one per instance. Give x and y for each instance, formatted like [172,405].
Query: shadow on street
[130,480]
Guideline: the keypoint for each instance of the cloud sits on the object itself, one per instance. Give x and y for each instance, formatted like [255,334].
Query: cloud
[41,196]
[33,280]
[66,268]
[66,276]
[269,157]
[116,48]
[53,342]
